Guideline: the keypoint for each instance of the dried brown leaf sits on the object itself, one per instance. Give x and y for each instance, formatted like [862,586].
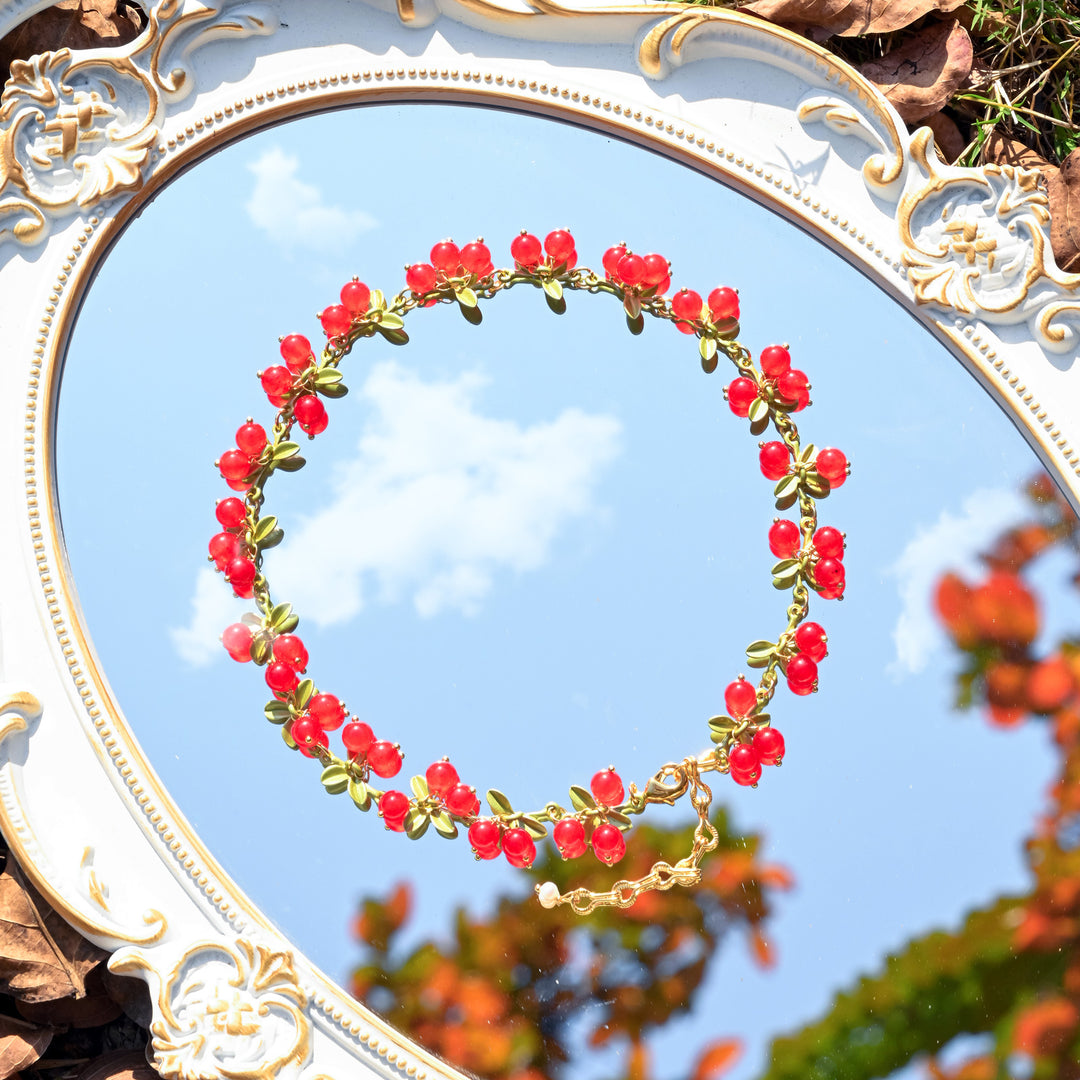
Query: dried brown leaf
[1064,189]
[920,75]
[1000,150]
[21,1044]
[947,137]
[41,957]
[821,19]
[74,24]
[119,1065]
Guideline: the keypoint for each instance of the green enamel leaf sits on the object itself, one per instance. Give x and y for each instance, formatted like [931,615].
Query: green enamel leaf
[816,484]
[444,825]
[285,450]
[786,579]
[416,823]
[709,366]
[636,324]
[338,390]
[760,650]
[533,827]
[619,820]
[265,527]
[759,410]
[291,464]
[786,485]
[260,650]
[707,348]
[553,288]
[419,787]
[277,712]
[473,315]
[272,540]
[358,792]
[289,625]
[582,799]
[466,297]
[784,565]
[328,377]
[723,724]
[395,337]
[278,614]
[728,329]
[290,742]
[303,694]
[335,779]
[377,300]
[808,452]
[759,425]
[390,321]
[632,305]
[498,802]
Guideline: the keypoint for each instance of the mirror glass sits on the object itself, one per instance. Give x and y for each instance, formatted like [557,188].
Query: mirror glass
[539,546]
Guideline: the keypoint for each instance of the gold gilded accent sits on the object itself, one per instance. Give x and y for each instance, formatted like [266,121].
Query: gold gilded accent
[227,1009]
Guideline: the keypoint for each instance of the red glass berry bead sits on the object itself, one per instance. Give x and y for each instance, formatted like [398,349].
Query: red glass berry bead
[238,485]
[476,258]
[775,360]
[833,465]
[393,809]
[791,384]
[569,837]
[237,642]
[461,800]
[526,250]
[769,744]
[234,464]
[746,779]
[801,670]
[281,678]
[328,712]
[662,287]
[336,320]
[421,278]
[784,538]
[304,731]
[485,836]
[519,848]
[741,394]
[607,788]
[723,304]
[656,269]
[441,776]
[829,542]
[320,739]
[802,400]
[241,573]
[740,697]
[611,259]
[775,460]
[631,269]
[810,638]
[289,649]
[357,737]
[446,256]
[296,352]
[277,381]
[559,245]
[687,304]
[310,414]
[224,547]
[251,438]
[571,260]
[829,574]
[384,758]
[231,513]
[355,297]
[608,844]
[744,758]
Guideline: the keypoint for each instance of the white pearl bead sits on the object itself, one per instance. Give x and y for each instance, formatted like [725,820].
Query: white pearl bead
[548,894]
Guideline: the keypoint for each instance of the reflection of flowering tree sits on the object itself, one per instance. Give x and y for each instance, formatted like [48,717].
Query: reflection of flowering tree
[1012,972]
[515,994]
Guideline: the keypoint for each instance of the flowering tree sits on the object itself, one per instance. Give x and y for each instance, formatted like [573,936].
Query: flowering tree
[1012,971]
[517,992]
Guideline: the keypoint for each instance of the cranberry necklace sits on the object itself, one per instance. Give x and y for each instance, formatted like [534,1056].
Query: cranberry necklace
[810,558]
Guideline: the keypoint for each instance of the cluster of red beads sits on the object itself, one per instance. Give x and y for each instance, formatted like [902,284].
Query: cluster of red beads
[649,275]
[558,253]
[293,388]
[449,263]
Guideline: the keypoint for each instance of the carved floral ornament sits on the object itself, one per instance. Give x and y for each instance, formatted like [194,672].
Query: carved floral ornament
[77,128]
[226,1009]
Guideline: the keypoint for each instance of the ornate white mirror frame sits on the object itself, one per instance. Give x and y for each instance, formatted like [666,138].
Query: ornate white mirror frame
[88,138]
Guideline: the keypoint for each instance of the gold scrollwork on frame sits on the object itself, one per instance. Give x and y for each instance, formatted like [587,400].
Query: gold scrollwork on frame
[227,1009]
[78,128]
